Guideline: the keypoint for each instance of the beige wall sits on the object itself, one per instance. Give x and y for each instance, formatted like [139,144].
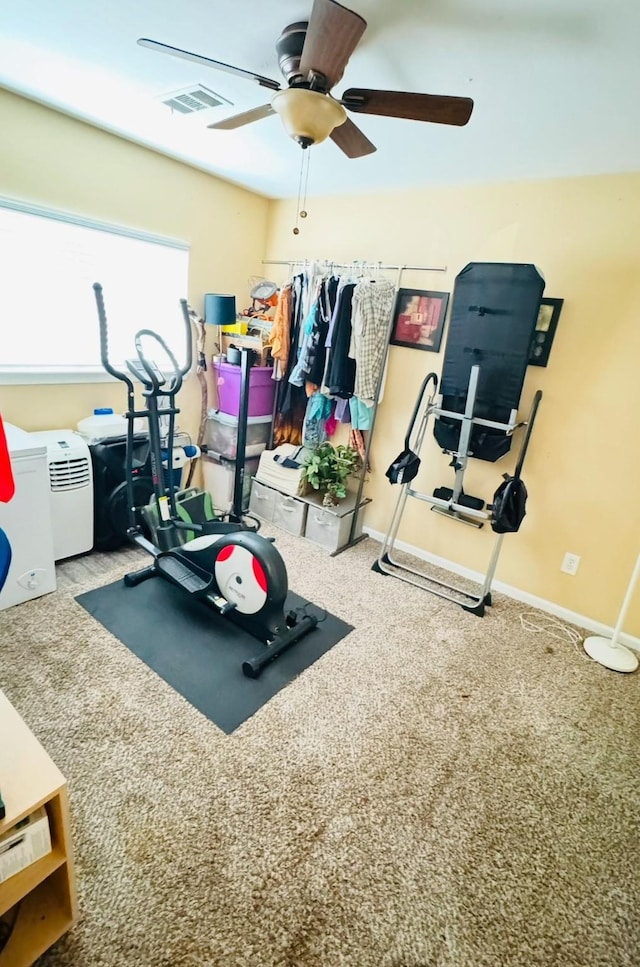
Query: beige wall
[583,467]
[56,161]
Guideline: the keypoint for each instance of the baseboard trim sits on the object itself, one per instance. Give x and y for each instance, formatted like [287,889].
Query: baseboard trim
[572,617]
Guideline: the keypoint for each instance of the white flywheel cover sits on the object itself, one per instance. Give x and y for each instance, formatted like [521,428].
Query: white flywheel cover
[241,578]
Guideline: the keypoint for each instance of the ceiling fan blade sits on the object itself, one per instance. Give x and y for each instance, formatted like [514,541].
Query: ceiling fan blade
[438,109]
[351,140]
[237,120]
[332,36]
[208,62]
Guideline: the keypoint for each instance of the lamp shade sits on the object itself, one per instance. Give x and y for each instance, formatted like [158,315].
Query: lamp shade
[219,310]
[308,116]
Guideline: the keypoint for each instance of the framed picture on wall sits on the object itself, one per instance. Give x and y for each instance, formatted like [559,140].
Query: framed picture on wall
[418,320]
[545,330]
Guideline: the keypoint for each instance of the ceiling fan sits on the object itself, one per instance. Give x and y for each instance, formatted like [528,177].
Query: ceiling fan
[312,57]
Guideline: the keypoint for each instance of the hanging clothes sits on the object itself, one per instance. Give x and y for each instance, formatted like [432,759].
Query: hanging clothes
[316,349]
[341,369]
[281,331]
[333,342]
[291,400]
[372,305]
[317,414]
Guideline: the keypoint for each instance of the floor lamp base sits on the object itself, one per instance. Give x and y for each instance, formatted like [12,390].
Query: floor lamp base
[616,657]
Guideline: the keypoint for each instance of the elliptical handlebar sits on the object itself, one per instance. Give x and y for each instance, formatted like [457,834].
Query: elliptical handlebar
[153,383]
[104,339]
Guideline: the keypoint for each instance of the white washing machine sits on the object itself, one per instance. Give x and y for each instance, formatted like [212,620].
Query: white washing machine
[26,520]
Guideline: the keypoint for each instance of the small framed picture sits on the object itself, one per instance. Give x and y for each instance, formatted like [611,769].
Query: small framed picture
[418,320]
[545,330]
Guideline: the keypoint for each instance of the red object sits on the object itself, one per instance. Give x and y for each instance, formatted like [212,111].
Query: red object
[7,483]
[225,553]
[259,574]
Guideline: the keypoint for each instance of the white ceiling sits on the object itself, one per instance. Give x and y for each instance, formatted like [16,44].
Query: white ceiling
[555,85]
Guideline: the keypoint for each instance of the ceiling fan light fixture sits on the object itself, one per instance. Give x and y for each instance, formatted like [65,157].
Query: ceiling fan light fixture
[308,116]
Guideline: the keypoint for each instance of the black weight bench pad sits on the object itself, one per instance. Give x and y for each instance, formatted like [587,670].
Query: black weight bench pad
[493,318]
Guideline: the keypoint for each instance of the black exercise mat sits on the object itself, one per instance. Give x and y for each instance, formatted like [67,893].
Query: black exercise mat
[200,653]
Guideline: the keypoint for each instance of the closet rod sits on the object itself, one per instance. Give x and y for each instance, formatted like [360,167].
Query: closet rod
[356,262]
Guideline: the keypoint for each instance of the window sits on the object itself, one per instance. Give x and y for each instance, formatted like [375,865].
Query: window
[48,317]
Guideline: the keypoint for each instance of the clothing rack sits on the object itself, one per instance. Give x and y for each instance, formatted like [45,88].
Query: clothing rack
[369,266]
[356,263]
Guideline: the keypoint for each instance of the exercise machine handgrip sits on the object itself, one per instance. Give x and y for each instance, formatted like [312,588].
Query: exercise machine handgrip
[416,409]
[104,339]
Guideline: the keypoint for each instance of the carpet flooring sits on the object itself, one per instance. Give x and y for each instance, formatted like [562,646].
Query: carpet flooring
[438,790]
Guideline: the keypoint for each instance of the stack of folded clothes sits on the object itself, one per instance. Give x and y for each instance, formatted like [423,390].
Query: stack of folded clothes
[282,468]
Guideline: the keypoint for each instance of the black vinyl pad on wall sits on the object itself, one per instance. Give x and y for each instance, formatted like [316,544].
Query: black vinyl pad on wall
[493,319]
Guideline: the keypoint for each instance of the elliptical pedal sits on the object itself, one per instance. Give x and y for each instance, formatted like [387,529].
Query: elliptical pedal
[192,579]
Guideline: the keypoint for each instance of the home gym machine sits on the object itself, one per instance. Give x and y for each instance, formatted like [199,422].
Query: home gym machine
[228,565]
[493,319]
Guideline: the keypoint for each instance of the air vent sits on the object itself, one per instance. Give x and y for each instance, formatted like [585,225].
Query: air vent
[69,474]
[193,99]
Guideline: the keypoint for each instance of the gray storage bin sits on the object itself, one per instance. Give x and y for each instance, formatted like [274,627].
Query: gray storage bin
[262,500]
[331,527]
[289,513]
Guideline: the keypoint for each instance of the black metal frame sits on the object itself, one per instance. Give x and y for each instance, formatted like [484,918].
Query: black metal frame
[277,631]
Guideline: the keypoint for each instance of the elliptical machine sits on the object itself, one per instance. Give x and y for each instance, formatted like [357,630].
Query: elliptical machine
[228,565]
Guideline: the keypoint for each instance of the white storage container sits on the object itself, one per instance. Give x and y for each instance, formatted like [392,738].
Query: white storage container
[222,434]
[26,520]
[290,514]
[262,500]
[219,478]
[102,425]
[331,526]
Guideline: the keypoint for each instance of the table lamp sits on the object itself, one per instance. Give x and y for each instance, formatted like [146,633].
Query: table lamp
[220,311]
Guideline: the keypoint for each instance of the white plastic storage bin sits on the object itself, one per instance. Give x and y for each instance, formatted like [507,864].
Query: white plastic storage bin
[222,434]
[219,478]
[102,425]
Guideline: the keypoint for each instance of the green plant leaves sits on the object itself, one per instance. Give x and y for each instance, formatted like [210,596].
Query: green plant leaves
[328,468]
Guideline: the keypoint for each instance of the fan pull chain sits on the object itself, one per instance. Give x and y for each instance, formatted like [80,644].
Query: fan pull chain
[303,211]
[301,208]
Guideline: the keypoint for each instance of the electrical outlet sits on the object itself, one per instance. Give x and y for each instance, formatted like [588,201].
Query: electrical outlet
[571,563]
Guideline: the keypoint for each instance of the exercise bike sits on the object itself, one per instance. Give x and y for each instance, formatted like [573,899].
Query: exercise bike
[228,565]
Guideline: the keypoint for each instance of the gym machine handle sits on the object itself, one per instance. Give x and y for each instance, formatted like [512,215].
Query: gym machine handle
[104,345]
[104,339]
[527,437]
[153,384]
[416,409]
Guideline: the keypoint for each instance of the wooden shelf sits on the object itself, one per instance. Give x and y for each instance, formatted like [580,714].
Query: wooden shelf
[26,880]
[28,777]
[42,897]
[44,915]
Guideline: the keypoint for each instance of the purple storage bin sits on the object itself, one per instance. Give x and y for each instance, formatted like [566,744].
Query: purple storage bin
[262,389]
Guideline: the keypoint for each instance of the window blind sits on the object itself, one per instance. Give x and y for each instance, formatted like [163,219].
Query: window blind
[48,263]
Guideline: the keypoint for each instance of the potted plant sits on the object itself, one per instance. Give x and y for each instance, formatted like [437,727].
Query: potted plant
[327,469]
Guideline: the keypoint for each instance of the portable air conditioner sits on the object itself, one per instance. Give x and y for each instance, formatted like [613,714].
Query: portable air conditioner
[70,491]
